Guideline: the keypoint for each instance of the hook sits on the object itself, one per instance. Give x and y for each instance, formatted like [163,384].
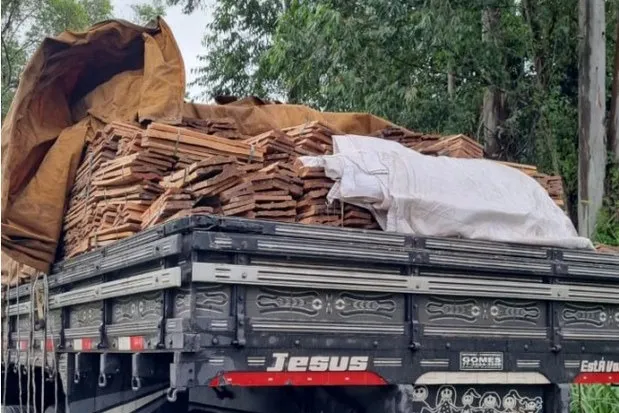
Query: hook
[172,394]
[102,380]
[136,383]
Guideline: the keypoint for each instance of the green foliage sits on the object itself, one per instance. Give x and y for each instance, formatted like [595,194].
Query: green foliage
[607,225]
[594,399]
[238,37]
[188,5]
[146,12]
[25,23]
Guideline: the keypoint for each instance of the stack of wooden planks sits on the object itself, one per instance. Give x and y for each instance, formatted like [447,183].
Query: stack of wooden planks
[171,202]
[224,127]
[190,146]
[455,146]
[124,188]
[412,140]
[207,178]
[607,249]
[191,212]
[357,217]
[313,207]
[128,136]
[312,138]
[553,184]
[276,146]
[79,217]
[275,190]
[133,178]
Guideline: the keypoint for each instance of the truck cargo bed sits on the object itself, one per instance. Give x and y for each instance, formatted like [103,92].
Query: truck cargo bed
[225,302]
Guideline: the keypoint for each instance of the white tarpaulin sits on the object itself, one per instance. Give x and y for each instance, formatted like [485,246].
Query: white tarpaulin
[439,196]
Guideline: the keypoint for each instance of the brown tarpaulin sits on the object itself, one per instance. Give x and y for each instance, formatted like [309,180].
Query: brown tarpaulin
[74,84]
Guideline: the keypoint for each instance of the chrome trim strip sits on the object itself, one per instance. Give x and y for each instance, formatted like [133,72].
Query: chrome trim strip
[151,281]
[371,281]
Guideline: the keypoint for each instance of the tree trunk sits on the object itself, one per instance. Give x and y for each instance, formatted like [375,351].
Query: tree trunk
[613,119]
[591,111]
[451,81]
[493,111]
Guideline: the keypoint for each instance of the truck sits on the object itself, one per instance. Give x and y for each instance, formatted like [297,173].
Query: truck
[222,314]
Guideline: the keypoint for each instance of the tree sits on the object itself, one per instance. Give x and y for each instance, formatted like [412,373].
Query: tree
[613,118]
[146,12]
[25,23]
[235,42]
[592,111]
[493,113]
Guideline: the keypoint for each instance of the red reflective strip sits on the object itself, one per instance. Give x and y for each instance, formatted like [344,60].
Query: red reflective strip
[23,345]
[87,344]
[136,343]
[49,344]
[329,378]
[597,378]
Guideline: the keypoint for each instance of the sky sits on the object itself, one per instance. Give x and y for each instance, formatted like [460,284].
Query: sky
[188,30]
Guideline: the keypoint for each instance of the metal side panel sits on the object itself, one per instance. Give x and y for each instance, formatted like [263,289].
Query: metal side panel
[120,259]
[296,247]
[22,290]
[362,281]
[598,271]
[489,262]
[155,280]
[247,226]
[133,328]
[144,237]
[590,257]
[485,247]
[473,259]
[482,317]
[273,309]
[19,309]
[595,321]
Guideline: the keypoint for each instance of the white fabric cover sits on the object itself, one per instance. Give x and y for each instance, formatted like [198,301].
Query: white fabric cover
[439,196]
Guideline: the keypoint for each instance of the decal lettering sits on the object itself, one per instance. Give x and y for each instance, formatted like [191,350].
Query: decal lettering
[481,361]
[280,361]
[283,362]
[599,366]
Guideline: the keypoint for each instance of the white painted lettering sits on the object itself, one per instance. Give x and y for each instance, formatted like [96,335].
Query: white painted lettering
[358,363]
[297,364]
[280,361]
[319,363]
[338,364]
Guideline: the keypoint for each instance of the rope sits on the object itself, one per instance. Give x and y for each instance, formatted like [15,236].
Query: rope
[185,172]
[252,152]
[30,339]
[18,355]
[34,300]
[8,338]
[54,361]
[44,342]
[178,138]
